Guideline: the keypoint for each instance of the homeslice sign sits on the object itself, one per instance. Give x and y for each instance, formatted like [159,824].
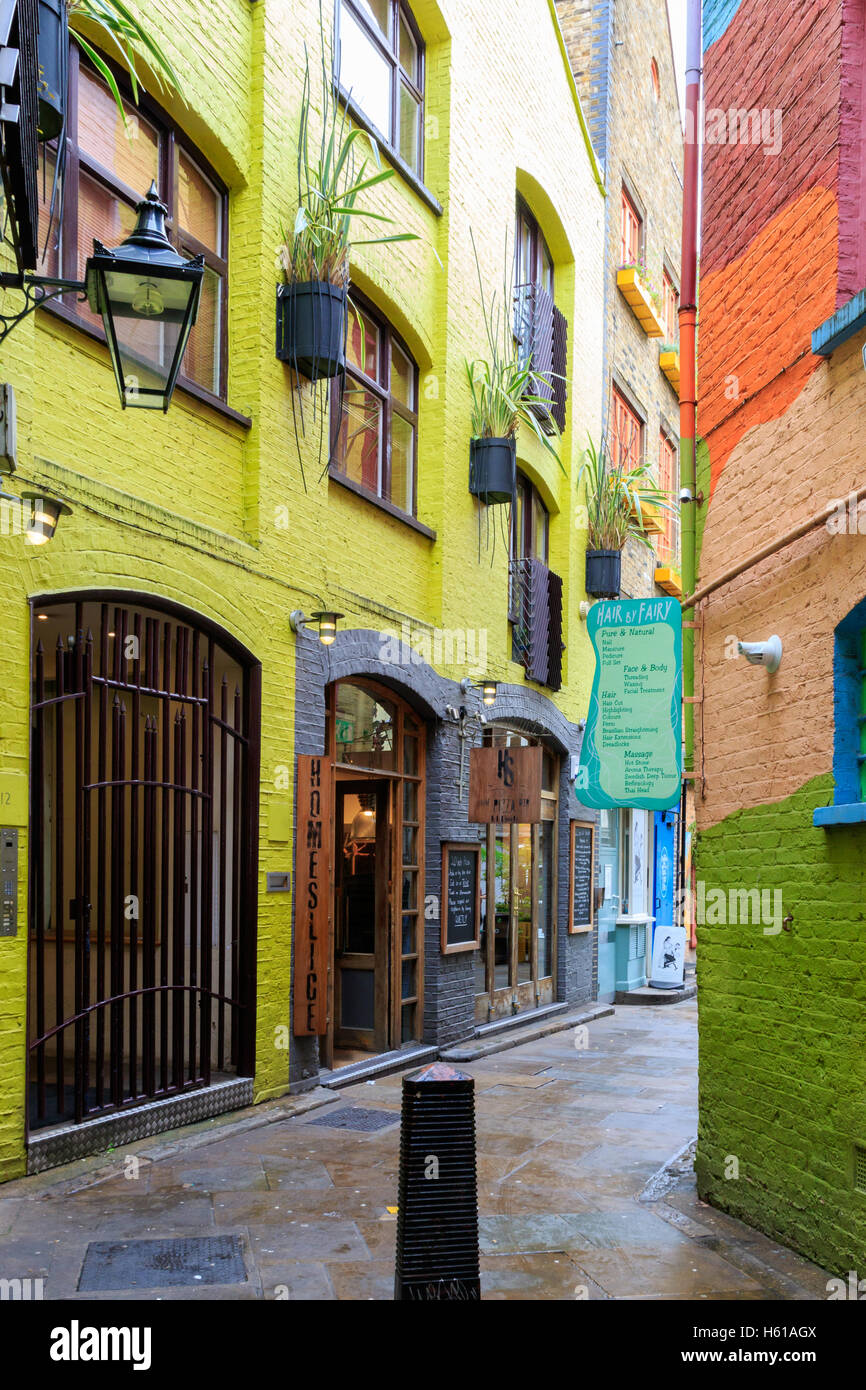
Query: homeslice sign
[632,746]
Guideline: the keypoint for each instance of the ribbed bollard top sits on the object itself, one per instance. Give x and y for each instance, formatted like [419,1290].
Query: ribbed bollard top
[438,1071]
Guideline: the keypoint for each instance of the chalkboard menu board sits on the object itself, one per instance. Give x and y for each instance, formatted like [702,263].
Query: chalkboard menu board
[581,876]
[461,897]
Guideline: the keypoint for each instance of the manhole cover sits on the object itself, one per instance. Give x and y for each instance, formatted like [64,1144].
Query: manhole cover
[355,1117]
[155,1264]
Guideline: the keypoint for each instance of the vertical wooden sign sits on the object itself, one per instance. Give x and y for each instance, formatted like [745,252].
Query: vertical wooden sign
[312,895]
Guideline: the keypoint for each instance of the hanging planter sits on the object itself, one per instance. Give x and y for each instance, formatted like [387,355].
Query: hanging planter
[603,572]
[503,393]
[335,179]
[311,328]
[53,49]
[493,470]
[617,500]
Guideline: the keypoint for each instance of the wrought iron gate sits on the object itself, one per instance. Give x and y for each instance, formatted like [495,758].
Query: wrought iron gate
[143,844]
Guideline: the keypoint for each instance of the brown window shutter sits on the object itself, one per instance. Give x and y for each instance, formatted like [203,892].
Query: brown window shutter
[542,331]
[18,125]
[554,635]
[560,367]
[523,312]
[538,621]
[542,350]
[537,618]
[518,608]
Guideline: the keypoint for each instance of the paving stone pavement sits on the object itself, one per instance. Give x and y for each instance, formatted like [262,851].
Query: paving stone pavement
[570,1140]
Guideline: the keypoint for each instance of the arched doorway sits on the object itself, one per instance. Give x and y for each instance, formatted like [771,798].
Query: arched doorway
[143,836]
[376,745]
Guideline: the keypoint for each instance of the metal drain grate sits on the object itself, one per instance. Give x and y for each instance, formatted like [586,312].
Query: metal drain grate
[162,1264]
[859,1168]
[356,1117]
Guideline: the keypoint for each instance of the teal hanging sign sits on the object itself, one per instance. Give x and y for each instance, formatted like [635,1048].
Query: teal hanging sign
[632,752]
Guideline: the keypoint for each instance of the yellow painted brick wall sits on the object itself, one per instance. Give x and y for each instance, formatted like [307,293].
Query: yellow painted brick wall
[196,508]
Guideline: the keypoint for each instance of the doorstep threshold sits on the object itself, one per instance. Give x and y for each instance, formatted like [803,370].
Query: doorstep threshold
[477,1048]
[381,1064]
[653,994]
[501,1025]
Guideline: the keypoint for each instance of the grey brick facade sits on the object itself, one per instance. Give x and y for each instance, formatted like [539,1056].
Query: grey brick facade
[449,982]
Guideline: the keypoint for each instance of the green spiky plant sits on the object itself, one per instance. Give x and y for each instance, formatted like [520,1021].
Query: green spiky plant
[113,24]
[503,386]
[616,497]
[331,178]
[120,31]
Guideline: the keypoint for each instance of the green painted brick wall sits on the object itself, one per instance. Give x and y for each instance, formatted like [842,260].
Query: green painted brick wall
[782,1062]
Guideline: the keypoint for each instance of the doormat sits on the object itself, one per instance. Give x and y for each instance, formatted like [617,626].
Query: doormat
[357,1117]
[162,1264]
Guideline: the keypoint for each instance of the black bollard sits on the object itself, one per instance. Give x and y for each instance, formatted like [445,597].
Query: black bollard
[437,1218]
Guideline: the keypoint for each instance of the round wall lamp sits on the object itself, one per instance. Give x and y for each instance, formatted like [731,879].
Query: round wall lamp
[325,617]
[327,621]
[43,515]
[487,688]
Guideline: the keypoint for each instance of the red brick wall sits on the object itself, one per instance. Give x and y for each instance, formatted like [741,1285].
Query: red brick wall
[771,228]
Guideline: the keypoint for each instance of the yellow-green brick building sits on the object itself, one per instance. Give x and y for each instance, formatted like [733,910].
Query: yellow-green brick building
[160,705]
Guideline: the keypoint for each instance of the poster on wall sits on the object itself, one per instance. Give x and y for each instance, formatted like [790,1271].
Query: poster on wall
[631,753]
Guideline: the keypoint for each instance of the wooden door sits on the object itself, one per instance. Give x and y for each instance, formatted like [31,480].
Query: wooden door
[362,951]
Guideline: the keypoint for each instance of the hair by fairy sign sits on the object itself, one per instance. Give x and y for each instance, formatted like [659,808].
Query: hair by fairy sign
[632,746]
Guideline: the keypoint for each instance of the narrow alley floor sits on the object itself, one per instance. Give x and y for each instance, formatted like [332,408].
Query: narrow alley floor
[570,1141]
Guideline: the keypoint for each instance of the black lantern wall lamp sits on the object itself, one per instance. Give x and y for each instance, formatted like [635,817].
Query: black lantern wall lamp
[147,296]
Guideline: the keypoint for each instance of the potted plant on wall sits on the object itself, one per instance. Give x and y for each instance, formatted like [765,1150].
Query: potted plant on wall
[112,24]
[314,258]
[115,28]
[504,390]
[615,498]
[634,281]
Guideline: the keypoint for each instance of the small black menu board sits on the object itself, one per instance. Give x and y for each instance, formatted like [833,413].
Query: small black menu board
[581,876]
[461,897]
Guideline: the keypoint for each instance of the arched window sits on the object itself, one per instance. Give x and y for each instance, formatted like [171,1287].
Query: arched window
[530,531]
[376,447]
[534,263]
[381,72]
[539,327]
